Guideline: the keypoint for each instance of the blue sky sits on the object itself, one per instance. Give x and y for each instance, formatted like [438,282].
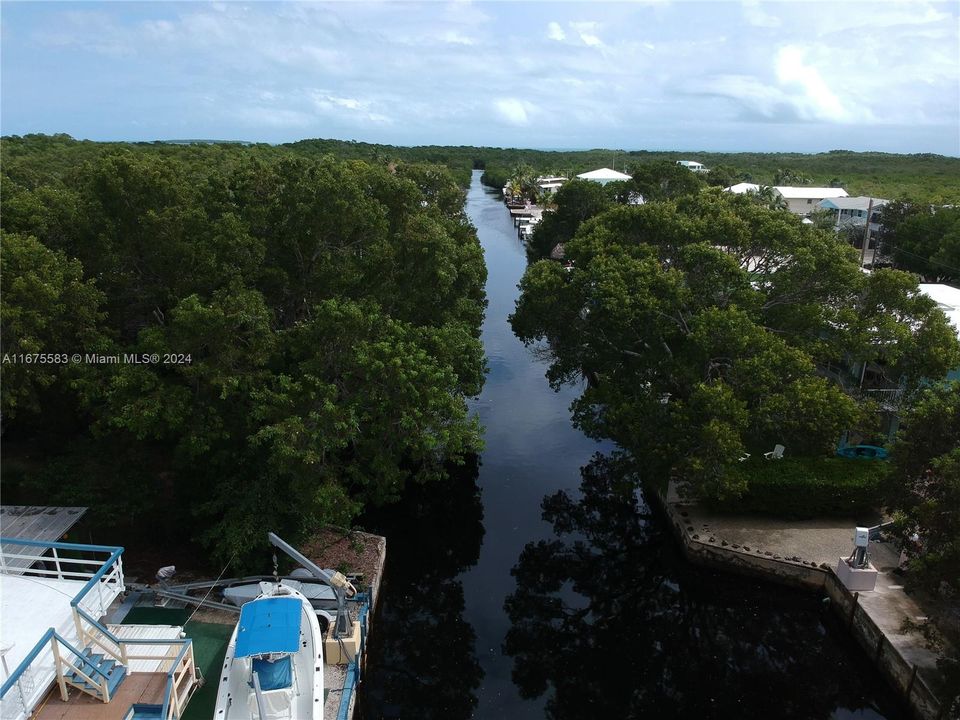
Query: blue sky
[774,76]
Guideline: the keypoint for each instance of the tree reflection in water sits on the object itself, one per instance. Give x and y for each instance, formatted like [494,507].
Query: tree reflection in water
[422,660]
[617,625]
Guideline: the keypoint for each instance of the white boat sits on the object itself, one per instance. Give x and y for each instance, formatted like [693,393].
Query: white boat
[273,669]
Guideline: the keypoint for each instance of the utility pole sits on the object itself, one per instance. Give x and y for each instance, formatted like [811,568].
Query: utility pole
[866,234]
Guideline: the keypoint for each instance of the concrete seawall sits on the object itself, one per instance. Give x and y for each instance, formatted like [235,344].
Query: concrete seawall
[888,656]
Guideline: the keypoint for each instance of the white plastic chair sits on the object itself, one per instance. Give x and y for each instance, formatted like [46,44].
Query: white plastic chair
[776,453]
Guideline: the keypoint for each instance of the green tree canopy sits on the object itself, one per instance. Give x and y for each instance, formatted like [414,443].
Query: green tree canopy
[666,180]
[926,476]
[923,239]
[700,324]
[331,311]
[47,307]
[576,201]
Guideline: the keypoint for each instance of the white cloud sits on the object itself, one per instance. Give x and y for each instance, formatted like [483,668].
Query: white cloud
[457,38]
[355,108]
[886,15]
[815,101]
[436,72]
[757,16]
[587,32]
[754,95]
[273,117]
[514,111]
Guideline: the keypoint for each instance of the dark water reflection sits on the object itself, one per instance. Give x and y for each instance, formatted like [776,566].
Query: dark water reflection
[421,653]
[495,609]
[613,623]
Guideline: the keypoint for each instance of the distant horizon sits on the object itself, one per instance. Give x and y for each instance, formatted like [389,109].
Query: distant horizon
[227,141]
[735,76]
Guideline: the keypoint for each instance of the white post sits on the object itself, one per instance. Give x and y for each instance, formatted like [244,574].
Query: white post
[58,664]
[56,560]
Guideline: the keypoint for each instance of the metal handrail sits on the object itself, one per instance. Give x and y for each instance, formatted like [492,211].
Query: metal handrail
[353,667]
[110,562]
[108,565]
[170,683]
[32,655]
[25,663]
[131,641]
[60,545]
[114,556]
[115,553]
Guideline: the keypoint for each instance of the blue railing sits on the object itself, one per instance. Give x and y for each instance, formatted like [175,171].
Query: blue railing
[353,668]
[115,553]
[170,682]
[75,604]
[37,649]
[120,642]
[25,663]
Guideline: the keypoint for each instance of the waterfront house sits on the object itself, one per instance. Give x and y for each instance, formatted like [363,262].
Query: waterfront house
[692,165]
[852,212]
[551,183]
[869,378]
[803,200]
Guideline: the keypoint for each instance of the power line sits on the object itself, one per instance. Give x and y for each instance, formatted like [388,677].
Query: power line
[923,257]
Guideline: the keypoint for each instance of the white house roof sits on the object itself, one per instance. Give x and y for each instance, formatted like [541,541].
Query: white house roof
[851,203]
[809,193]
[948,300]
[604,174]
[689,163]
[551,179]
[743,187]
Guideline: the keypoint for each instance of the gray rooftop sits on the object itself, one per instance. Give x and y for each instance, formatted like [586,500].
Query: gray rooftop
[34,522]
[852,203]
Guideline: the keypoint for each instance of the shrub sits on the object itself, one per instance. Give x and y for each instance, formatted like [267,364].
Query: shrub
[807,487]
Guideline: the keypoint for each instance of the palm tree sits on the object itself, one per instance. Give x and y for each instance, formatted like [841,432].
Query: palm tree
[770,198]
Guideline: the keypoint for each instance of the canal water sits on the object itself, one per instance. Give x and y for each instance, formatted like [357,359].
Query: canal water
[537,583]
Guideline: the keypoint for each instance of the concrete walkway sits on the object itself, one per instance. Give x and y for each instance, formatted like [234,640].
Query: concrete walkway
[771,547]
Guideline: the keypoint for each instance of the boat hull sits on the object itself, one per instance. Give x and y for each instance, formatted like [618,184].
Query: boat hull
[284,656]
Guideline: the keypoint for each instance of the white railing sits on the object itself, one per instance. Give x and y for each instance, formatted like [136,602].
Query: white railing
[103,576]
[104,581]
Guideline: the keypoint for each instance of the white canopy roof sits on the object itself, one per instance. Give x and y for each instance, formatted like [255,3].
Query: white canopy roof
[743,187]
[811,193]
[604,174]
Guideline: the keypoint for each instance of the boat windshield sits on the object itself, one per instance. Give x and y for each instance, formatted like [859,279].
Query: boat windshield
[274,674]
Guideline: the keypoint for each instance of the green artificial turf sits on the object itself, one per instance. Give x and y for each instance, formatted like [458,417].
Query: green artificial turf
[209,646]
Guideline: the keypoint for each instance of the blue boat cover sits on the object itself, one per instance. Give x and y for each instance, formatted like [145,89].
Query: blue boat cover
[271,625]
[273,675]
